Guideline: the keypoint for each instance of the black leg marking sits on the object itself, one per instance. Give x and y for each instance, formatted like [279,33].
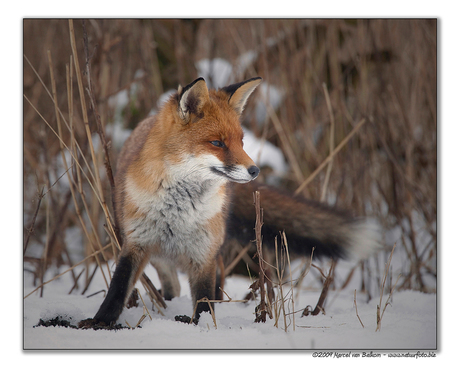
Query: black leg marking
[203,286]
[114,302]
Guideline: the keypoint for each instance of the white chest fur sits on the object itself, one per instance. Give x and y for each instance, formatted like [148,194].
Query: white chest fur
[176,216]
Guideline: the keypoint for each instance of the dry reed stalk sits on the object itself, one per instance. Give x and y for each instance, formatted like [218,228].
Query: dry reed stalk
[331,143]
[75,284]
[72,152]
[305,271]
[322,298]
[45,252]
[64,160]
[209,301]
[330,157]
[153,293]
[280,296]
[145,309]
[356,308]
[105,145]
[287,146]
[238,257]
[30,229]
[211,309]
[261,310]
[69,269]
[63,143]
[290,277]
[99,193]
[89,279]
[381,312]
[74,144]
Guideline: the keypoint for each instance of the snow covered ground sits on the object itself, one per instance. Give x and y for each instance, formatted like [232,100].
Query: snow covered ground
[409,323]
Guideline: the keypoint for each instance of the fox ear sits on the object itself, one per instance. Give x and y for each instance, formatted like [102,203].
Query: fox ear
[192,98]
[239,93]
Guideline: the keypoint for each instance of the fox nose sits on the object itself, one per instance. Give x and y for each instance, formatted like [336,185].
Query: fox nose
[253,171]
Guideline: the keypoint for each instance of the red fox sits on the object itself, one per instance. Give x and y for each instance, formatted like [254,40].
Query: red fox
[172,189]
[181,195]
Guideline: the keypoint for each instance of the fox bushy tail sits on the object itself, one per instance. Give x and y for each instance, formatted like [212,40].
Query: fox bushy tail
[332,233]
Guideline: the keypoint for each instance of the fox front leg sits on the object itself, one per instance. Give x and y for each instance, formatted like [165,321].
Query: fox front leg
[202,286]
[130,265]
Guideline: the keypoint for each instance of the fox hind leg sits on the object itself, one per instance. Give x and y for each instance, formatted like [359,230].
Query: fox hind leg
[167,273]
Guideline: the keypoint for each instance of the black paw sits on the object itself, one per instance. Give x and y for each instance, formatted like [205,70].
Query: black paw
[186,319]
[92,323]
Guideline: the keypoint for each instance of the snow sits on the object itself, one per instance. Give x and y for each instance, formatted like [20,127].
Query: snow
[409,322]
[265,153]
[217,72]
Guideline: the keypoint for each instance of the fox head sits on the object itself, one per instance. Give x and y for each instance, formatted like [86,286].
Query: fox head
[207,129]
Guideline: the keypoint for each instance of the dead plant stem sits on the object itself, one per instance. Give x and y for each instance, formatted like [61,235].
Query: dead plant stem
[69,269]
[356,308]
[290,278]
[262,310]
[380,312]
[331,143]
[330,157]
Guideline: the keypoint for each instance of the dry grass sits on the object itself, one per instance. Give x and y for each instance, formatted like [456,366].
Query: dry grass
[380,310]
[358,123]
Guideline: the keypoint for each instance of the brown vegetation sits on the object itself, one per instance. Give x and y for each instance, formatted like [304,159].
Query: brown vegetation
[333,74]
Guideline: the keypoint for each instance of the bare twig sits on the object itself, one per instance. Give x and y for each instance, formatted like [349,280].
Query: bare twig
[280,297]
[380,312]
[100,129]
[88,281]
[290,277]
[30,230]
[305,271]
[322,298]
[209,301]
[145,309]
[69,269]
[240,255]
[64,160]
[330,157]
[99,190]
[356,307]
[331,143]
[75,284]
[206,300]
[152,290]
[261,311]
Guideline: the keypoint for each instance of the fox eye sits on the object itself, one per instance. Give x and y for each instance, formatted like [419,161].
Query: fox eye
[219,144]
